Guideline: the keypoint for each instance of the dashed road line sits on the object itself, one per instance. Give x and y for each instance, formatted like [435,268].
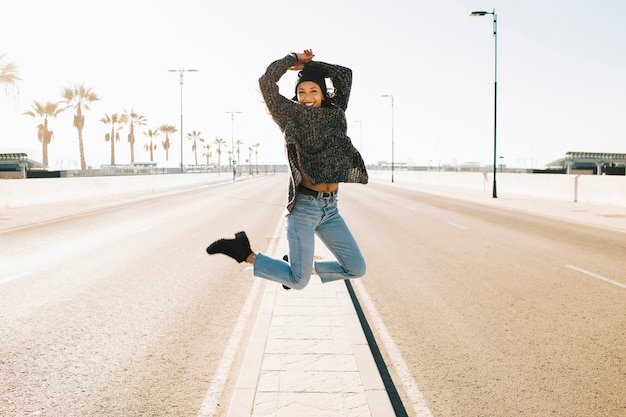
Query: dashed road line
[14,277]
[456,225]
[600,277]
[142,230]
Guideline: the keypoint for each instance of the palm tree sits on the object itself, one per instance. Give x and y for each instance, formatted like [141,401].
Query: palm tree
[256,151]
[167,129]
[44,135]
[133,119]
[79,97]
[8,76]
[113,119]
[151,147]
[207,153]
[250,150]
[195,137]
[238,142]
[219,142]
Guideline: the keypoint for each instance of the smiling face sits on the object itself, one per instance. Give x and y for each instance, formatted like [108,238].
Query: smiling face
[310,94]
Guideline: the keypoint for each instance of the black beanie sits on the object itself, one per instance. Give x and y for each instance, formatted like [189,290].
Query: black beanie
[315,74]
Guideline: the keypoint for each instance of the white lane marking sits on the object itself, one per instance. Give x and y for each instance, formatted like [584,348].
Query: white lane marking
[210,402]
[456,225]
[600,277]
[142,230]
[14,277]
[415,395]
[213,393]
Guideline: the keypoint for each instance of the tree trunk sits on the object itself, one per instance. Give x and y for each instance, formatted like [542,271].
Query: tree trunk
[131,139]
[45,136]
[79,122]
[112,144]
[44,153]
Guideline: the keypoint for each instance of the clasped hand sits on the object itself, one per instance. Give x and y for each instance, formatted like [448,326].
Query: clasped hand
[303,59]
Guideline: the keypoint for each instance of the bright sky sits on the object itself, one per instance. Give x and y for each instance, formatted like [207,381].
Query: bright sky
[561,74]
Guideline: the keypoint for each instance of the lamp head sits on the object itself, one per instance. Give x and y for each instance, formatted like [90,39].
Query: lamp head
[479,13]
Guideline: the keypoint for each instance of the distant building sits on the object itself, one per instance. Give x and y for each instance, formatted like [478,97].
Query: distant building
[594,163]
[16,165]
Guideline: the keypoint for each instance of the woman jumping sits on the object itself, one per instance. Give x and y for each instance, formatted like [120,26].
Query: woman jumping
[321,156]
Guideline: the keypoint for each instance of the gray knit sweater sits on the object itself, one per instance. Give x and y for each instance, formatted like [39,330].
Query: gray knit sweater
[315,137]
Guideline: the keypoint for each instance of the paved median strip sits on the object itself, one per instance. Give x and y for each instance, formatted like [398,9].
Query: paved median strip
[308,357]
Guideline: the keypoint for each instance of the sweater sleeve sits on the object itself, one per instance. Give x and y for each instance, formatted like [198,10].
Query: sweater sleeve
[277,104]
[342,81]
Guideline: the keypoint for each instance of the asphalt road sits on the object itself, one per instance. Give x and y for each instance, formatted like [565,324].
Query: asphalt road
[496,312]
[120,312]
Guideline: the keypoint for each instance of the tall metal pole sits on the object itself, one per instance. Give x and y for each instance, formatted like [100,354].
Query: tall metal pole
[495,93]
[232,140]
[392,135]
[181,121]
[181,71]
[495,99]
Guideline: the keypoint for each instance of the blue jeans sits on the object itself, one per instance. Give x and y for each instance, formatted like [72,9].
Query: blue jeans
[310,216]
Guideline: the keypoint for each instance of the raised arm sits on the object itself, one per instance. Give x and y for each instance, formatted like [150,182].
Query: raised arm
[275,102]
[342,81]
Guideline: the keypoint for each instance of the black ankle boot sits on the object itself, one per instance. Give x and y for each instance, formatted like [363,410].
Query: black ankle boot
[237,248]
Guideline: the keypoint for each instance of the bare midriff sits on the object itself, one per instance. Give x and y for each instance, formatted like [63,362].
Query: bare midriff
[319,187]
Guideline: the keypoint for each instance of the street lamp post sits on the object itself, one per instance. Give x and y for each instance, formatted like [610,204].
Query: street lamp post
[495,90]
[392,135]
[232,140]
[181,71]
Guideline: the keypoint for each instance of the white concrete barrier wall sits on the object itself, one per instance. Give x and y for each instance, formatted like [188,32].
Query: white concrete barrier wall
[28,192]
[609,189]
[580,188]
[600,189]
